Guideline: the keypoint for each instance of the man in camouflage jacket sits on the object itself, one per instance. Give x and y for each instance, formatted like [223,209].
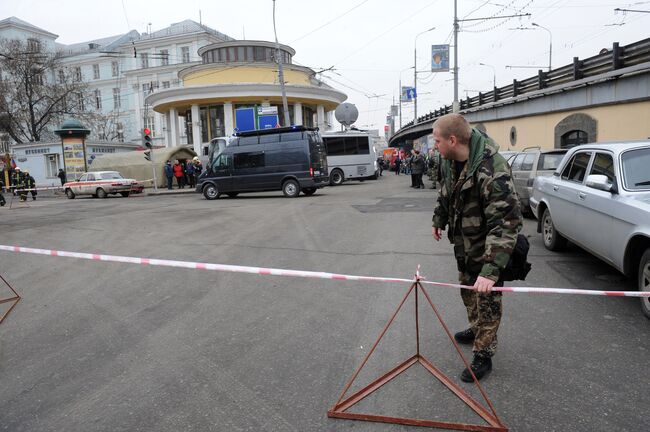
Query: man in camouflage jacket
[478,203]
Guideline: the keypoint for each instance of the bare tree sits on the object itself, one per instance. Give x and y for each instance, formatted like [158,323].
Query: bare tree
[37,92]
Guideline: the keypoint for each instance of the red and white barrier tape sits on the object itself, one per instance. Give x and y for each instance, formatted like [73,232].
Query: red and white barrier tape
[301,273]
[36,189]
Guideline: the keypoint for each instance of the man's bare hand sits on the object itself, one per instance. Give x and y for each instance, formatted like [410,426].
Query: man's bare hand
[437,233]
[483,285]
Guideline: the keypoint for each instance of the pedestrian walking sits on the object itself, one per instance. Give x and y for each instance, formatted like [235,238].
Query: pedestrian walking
[179,173]
[398,165]
[189,172]
[61,175]
[478,204]
[169,173]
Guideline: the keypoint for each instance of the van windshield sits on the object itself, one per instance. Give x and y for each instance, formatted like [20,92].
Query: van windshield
[217,145]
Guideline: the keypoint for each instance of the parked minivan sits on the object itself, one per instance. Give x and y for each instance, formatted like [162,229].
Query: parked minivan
[290,159]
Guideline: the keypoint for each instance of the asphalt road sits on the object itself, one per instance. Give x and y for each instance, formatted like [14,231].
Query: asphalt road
[97,346]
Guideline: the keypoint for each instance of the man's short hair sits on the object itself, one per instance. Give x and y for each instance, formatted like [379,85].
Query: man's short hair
[456,125]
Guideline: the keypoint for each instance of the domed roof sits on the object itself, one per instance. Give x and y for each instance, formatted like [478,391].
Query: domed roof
[72,127]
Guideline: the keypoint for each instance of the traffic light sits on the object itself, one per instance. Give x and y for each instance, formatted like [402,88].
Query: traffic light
[147,155]
[147,138]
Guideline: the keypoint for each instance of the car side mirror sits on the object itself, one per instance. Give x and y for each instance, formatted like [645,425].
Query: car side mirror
[600,182]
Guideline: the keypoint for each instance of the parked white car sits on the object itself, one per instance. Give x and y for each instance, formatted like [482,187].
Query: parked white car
[102,183]
[599,199]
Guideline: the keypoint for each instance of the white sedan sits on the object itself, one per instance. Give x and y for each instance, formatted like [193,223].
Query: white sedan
[102,183]
[599,199]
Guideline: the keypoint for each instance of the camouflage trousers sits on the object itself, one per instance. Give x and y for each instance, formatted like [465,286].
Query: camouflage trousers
[484,316]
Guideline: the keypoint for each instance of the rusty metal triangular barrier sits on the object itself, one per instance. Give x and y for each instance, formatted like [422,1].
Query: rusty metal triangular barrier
[21,203]
[13,301]
[343,404]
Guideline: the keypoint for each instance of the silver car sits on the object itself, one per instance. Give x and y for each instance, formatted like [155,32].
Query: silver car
[599,199]
[529,164]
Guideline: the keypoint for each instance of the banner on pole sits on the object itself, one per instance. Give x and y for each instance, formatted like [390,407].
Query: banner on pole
[440,58]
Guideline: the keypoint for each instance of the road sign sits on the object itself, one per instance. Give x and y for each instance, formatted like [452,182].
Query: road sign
[408,94]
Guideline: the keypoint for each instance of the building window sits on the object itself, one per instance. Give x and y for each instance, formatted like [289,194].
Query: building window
[149,123]
[61,76]
[98,99]
[80,102]
[52,164]
[117,103]
[146,89]
[574,138]
[144,60]
[165,84]
[96,71]
[33,45]
[259,54]
[164,57]
[115,69]
[185,54]
[77,73]
[212,122]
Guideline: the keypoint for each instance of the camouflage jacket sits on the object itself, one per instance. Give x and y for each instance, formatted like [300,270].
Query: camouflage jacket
[481,208]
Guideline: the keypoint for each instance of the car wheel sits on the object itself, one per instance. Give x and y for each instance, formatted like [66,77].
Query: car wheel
[553,240]
[232,194]
[101,193]
[290,188]
[336,177]
[644,282]
[210,192]
[124,194]
[69,193]
[309,191]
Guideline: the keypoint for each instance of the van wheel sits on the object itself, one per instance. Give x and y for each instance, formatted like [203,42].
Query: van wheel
[232,194]
[309,191]
[69,193]
[210,192]
[553,240]
[336,177]
[644,282]
[101,193]
[124,194]
[290,188]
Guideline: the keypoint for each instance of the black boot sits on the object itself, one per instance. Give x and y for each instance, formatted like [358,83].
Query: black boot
[481,366]
[465,337]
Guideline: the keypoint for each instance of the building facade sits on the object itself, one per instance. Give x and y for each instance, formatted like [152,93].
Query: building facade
[236,88]
[122,70]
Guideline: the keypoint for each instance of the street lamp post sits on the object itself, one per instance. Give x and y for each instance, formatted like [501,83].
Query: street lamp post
[550,44]
[494,73]
[415,74]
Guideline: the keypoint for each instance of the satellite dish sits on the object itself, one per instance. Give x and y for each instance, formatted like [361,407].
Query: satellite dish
[346,114]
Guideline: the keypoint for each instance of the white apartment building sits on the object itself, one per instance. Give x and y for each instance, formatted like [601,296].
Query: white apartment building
[122,70]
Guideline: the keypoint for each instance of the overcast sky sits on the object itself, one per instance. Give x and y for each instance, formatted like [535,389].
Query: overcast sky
[370,43]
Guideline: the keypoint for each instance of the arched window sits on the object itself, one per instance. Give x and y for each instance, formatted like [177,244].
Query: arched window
[574,138]
[578,128]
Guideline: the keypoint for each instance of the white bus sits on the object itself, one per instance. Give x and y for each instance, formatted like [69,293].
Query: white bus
[351,155]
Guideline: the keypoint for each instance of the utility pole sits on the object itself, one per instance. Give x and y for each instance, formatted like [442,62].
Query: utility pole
[456,105]
[278,58]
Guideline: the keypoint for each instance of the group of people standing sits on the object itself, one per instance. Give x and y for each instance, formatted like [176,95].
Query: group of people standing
[22,183]
[185,172]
